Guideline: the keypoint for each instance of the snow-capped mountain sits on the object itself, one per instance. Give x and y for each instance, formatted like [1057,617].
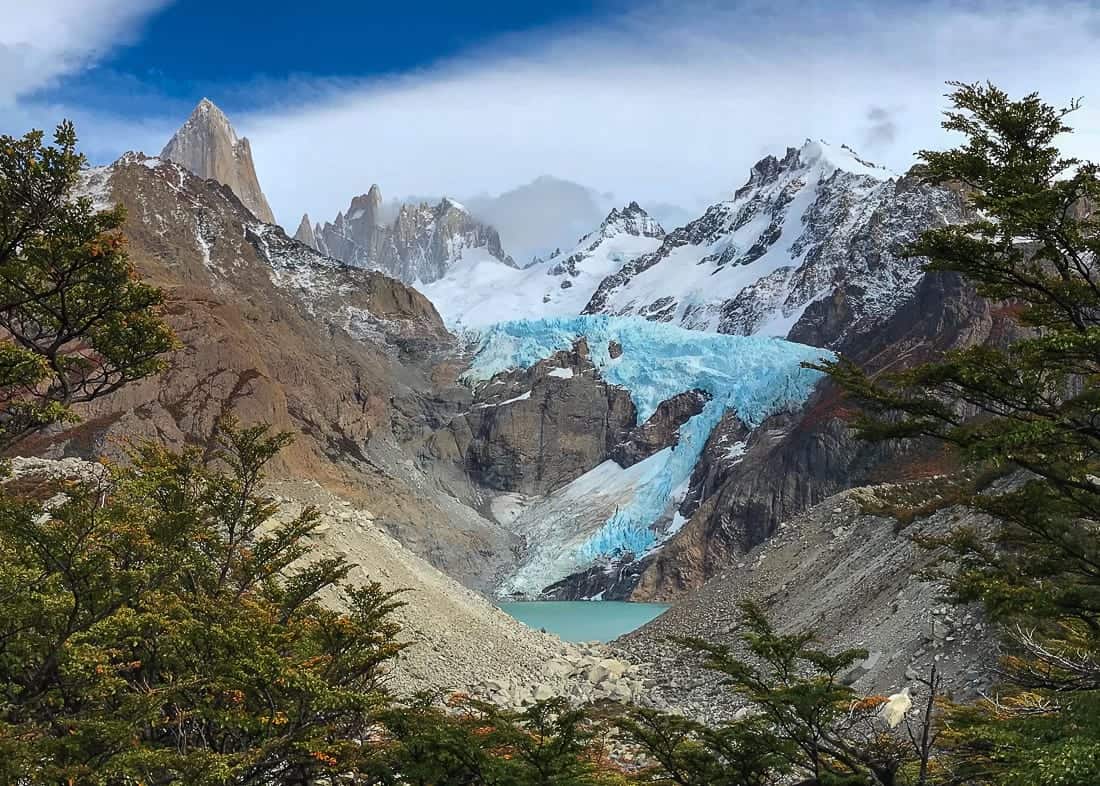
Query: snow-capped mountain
[208,146]
[818,222]
[478,291]
[419,246]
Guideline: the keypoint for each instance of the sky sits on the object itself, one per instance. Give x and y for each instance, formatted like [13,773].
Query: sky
[665,101]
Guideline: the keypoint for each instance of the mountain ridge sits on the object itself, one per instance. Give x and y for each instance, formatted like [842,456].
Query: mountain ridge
[818,220]
[207,145]
[420,244]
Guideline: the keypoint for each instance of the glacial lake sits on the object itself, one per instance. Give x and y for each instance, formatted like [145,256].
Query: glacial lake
[584,620]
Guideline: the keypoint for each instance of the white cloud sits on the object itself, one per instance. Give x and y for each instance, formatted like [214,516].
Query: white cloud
[670,103]
[43,40]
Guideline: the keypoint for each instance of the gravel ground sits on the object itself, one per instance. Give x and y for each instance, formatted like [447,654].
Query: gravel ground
[459,639]
[845,574]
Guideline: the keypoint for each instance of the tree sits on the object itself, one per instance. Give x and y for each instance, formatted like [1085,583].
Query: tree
[153,630]
[75,324]
[475,743]
[803,722]
[1030,410]
[685,752]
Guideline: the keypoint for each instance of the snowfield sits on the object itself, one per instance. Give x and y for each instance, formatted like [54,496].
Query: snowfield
[478,290]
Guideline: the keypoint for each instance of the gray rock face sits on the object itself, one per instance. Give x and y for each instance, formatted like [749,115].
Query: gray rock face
[532,432]
[304,233]
[419,246]
[208,146]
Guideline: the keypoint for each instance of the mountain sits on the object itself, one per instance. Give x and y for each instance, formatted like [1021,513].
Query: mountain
[478,291]
[208,146]
[565,455]
[818,225]
[418,246]
[304,233]
[573,456]
[355,364]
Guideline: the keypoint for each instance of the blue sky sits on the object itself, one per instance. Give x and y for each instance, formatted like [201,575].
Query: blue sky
[188,49]
[654,100]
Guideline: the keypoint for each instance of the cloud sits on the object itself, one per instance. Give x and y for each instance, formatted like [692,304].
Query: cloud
[671,103]
[882,130]
[44,40]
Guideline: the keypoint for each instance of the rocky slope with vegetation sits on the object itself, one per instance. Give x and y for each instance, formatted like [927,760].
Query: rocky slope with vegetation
[850,570]
[356,364]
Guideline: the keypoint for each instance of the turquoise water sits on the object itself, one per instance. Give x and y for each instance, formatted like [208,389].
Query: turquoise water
[584,620]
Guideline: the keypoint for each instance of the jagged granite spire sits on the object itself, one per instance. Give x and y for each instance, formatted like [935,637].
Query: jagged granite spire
[417,245]
[208,146]
[304,234]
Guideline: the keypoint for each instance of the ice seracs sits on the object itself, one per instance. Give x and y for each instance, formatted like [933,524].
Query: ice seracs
[613,511]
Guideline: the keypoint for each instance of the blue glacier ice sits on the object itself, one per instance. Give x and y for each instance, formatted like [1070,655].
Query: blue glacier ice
[755,377]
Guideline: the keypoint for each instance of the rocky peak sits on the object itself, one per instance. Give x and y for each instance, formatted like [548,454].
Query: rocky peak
[812,154]
[208,146]
[421,243]
[631,220]
[818,221]
[304,233]
[367,207]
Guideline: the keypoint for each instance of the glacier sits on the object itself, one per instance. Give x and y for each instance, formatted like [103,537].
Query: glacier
[753,376]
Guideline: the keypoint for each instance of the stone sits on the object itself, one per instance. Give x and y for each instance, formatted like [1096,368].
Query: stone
[597,673]
[615,668]
[549,432]
[208,146]
[558,668]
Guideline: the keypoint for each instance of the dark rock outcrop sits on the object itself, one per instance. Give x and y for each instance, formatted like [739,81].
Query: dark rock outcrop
[532,431]
[662,428]
[794,461]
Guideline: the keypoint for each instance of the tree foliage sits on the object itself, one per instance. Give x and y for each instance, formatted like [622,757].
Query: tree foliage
[802,722]
[1031,408]
[474,743]
[150,631]
[75,322]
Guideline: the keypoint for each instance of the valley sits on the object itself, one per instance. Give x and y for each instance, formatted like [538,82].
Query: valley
[624,421]
[549,394]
